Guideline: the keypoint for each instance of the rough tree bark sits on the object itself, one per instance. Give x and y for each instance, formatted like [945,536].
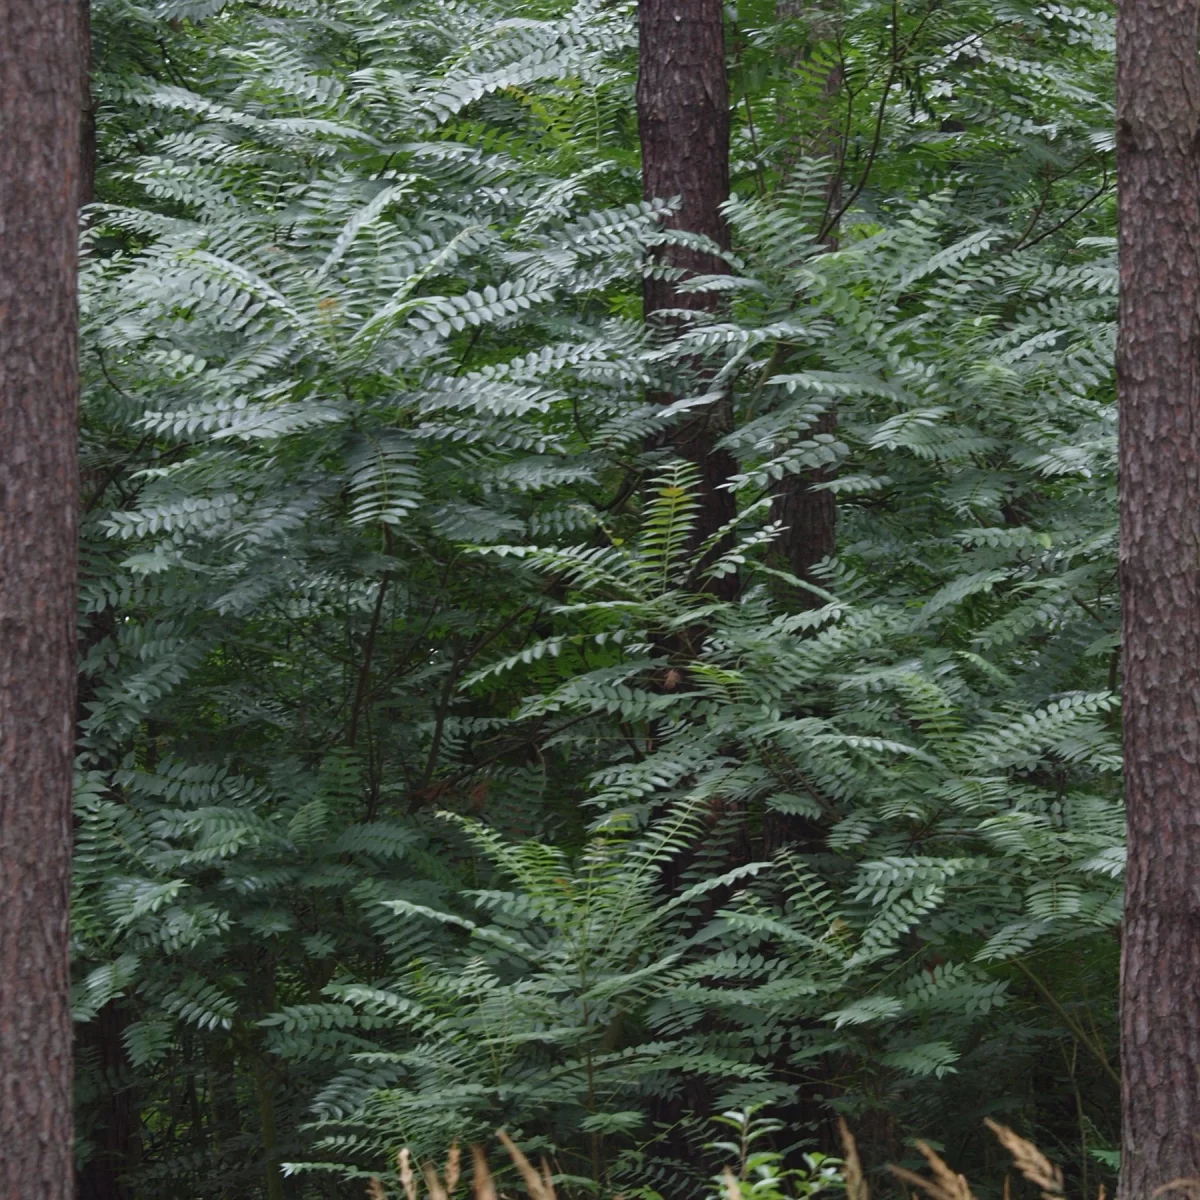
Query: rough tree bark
[683,123]
[39,381]
[1158,375]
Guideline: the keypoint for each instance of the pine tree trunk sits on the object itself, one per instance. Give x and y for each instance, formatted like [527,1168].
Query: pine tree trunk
[683,122]
[1158,374]
[39,383]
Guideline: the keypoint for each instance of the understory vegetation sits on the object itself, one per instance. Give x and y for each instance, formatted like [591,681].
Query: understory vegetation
[433,778]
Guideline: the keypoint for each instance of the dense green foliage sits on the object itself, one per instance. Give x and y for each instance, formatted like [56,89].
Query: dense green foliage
[424,785]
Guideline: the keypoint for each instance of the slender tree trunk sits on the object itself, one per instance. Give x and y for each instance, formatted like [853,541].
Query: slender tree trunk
[810,517]
[816,121]
[262,982]
[268,1129]
[1158,374]
[683,122]
[39,384]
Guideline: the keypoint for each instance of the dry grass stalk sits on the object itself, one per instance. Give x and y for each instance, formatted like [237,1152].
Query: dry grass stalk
[485,1185]
[732,1191]
[1029,1160]
[856,1181]
[433,1184]
[945,1184]
[538,1186]
[942,1184]
[1189,1185]
[439,1190]
[406,1176]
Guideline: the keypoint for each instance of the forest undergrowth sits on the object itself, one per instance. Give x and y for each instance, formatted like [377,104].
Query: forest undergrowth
[440,771]
[757,1173]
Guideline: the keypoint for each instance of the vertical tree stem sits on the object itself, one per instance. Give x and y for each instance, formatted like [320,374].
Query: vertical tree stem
[39,505]
[1158,381]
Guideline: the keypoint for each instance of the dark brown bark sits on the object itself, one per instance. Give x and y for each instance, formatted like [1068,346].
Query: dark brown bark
[809,517]
[1158,374]
[683,123]
[39,384]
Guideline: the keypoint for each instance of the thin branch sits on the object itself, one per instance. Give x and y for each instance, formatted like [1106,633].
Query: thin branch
[364,674]
[439,725]
[110,478]
[898,56]
[1100,191]
[1081,1034]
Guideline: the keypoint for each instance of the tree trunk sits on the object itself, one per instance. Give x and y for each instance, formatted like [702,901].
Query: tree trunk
[1158,375]
[268,1128]
[810,517]
[817,128]
[39,384]
[683,123]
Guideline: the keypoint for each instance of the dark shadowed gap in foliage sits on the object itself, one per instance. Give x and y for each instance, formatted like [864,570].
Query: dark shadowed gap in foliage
[683,124]
[114,1126]
[1158,379]
[39,391]
[113,1129]
[110,1121]
[87,107]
